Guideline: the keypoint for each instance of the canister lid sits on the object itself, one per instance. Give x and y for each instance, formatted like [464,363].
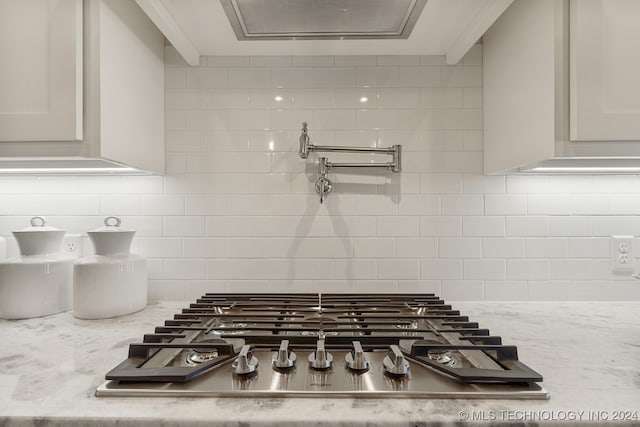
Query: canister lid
[112,225]
[39,224]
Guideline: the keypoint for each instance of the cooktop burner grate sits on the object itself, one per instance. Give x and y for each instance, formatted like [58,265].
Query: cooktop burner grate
[394,345]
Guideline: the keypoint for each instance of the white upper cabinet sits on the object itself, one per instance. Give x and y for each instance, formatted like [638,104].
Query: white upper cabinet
[41,70]
[100,69]
[561,81]
[605,65]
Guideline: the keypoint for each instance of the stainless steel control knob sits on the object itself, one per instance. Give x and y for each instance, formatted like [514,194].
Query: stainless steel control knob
[320,359]
[246,363]
[285,359]
[356,360]
[395,363]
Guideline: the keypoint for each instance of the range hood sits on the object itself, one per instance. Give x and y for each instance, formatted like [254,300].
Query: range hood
[322,20]
[323,27]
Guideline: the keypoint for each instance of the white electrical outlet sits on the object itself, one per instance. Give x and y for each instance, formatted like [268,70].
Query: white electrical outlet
[72,245]
[622,253]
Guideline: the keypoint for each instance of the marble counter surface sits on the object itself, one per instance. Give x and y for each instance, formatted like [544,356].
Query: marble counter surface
[589,354]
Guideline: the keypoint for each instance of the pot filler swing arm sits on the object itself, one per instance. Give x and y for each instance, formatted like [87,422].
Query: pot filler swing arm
[323,183]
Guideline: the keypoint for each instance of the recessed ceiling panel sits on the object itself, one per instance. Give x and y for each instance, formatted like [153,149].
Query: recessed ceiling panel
[322,19]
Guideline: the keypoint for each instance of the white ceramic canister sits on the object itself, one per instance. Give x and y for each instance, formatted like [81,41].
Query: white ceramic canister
[113,282]
[38,282]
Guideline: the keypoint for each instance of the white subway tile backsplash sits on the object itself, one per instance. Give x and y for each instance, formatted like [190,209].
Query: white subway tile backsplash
[184,268]
[398,98]
[250,120]
[472,97]
[610,225]
[442,98]
[203,247]
[271,98]
[462,76]
[546,247]
[527,269]
[353,60]
[503,247]
[592,204]
[337,77]
[570,226]
[313,61]
[398,60]
[483,226]
[160,247]
[441,183]
[462,290]
[459,247]
[374,248]
[249,77]
[181,141]
[183,99]
[489,269]
[472,140]
[441,226]
[183,225]
[288,119]
[505,204]
[398,226]
[506,290]
[527,226]
[549,204]
[185,184]
[175,78]
[462,204]
[399,269]
[441,269]
[419,76]
[270,61]
[237,209]
[229,99]
[377,76]
[527,184]
[292,78]
[419,205]
[162,204]
[312,98]
[416,247]
[202,204]
[205,119]
[361,269]
[333,119]
[377,119]
[549,290]
[206,77]
[227,61]
[571,269]
[120,204]
[589,247]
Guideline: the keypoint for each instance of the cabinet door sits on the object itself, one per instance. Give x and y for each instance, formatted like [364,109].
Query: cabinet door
[604,77]
[40,70]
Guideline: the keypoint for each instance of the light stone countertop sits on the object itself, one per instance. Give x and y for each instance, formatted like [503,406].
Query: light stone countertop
[588,353]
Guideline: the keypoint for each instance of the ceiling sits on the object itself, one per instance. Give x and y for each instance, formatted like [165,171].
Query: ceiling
[445,27]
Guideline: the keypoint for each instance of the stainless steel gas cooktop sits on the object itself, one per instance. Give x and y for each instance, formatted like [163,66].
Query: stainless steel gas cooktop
[380,345]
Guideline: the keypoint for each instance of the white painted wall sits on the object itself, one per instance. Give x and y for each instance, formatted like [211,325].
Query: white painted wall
[237,212]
